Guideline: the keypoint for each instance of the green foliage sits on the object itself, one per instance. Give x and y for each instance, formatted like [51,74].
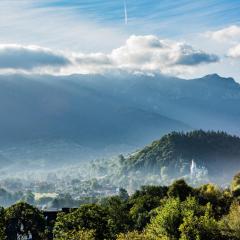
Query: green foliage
[2,224]
[64,200]
[118,215]
[185,220]
[230,224]
[23,219]
[176,212]
[132,236]
[143,202]
[180,189]
[77,235]
[154,191]
[235,186]
[88,216]
[219,199]
[199,227]
[167,220]
[141,210]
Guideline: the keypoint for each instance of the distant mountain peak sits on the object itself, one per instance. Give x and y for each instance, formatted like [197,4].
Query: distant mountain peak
[217,76]
[213,75]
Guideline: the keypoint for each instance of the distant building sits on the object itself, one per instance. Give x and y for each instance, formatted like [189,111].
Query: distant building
[193,169]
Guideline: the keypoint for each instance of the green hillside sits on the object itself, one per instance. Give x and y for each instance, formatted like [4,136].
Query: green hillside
[216,151]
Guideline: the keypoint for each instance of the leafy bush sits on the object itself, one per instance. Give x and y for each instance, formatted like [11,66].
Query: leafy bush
[88,216]
[184,220]
[230,224]
[132,236]
[22,219]
[77,235]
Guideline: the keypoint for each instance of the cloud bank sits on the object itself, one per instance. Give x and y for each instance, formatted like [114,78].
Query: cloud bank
[138,54]
[30,57]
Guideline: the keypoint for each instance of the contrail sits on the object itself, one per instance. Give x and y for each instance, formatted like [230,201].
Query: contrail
[125,12]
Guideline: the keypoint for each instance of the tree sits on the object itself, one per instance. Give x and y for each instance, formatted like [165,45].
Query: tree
[230,224]
[88,217]
[118,215]
[2,224]
[186,220]
[180,189]
[123,194]
[203,227]
[143,201]
[154,191]
[24,220]
[141,210]
[219,199]
[168,219]
[235,185]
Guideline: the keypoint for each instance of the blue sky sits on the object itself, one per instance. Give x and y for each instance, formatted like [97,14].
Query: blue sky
[166,17]
[92,35]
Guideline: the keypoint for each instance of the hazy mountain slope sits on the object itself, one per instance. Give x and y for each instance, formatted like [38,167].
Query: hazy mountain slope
[210,102]
[105,112]
[76,110]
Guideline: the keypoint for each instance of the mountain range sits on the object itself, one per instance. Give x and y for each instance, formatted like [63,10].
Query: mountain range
[96,115]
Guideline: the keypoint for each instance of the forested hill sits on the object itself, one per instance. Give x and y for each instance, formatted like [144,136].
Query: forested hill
[216,151]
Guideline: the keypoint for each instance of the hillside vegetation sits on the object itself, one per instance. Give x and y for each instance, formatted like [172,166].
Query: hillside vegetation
[218,152]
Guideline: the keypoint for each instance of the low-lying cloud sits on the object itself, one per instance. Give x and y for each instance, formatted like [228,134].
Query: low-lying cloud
[30,57]
[139,53]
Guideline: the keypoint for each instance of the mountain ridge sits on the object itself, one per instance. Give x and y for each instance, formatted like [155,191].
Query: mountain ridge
[96,111]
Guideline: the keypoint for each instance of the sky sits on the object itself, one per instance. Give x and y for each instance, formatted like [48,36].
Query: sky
[184,38]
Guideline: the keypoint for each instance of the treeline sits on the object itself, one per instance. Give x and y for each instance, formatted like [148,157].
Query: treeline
[173,212]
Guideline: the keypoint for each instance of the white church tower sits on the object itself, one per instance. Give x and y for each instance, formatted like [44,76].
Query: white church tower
[193,169]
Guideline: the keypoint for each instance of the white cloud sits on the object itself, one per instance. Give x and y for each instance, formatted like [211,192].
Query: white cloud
[226,43]
[146,54]
[149,53]
[234,52]
[231,33]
